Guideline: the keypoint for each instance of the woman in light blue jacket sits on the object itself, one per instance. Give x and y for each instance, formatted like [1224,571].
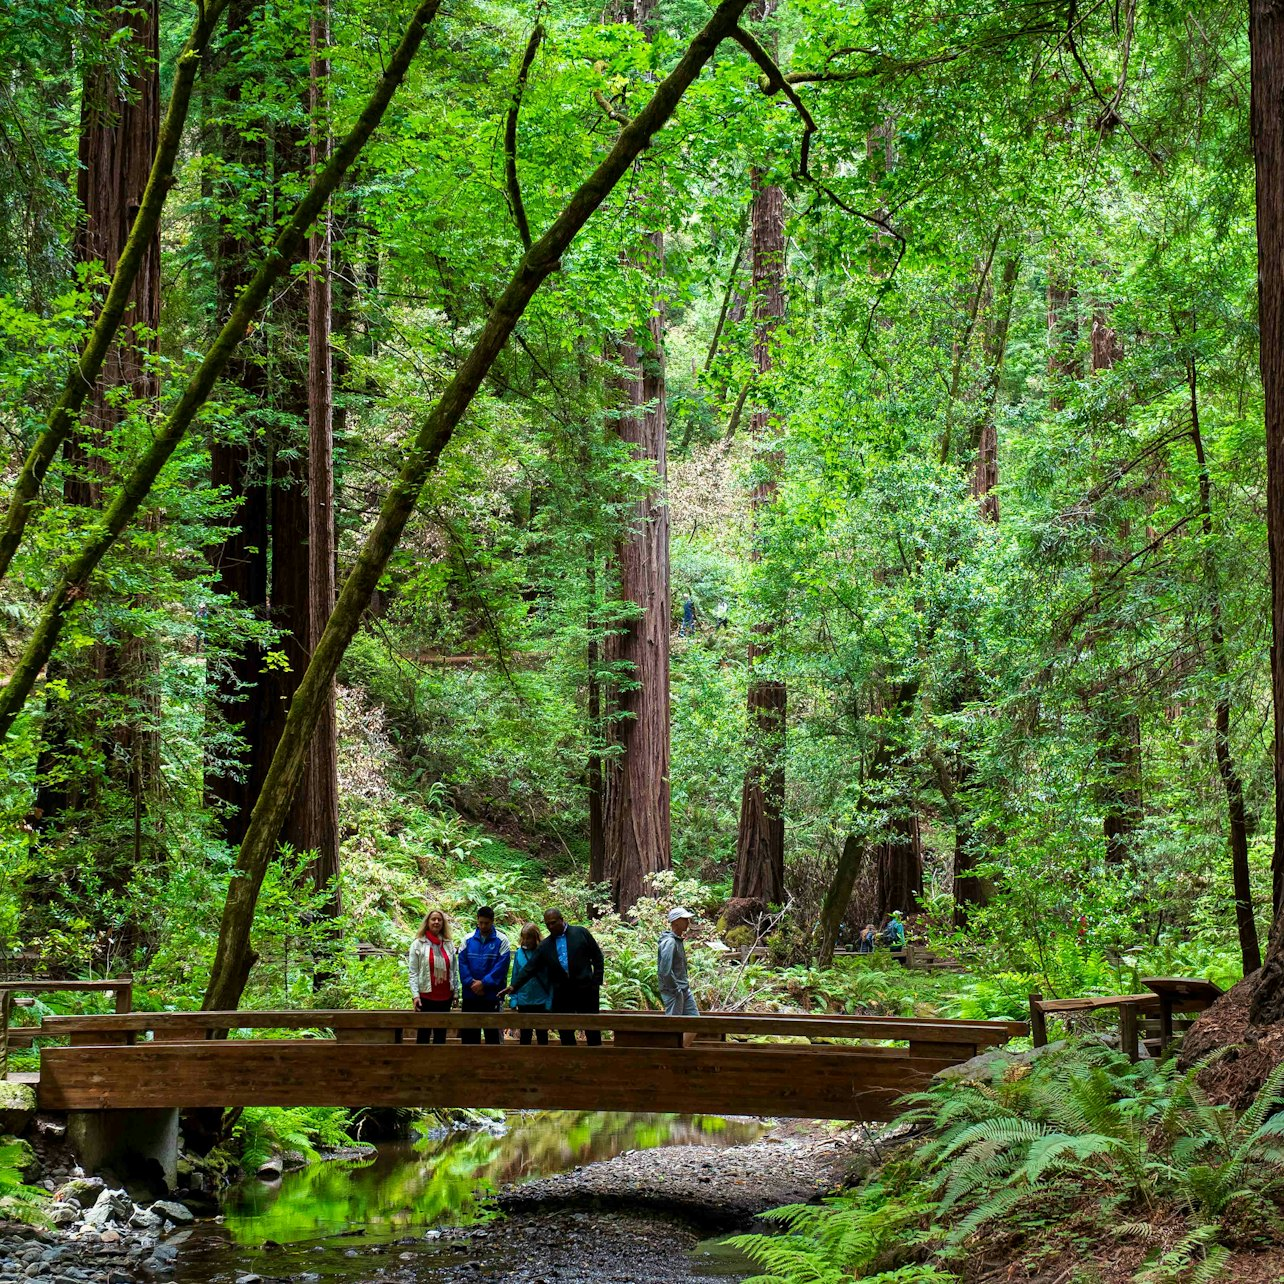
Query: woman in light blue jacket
[534,996]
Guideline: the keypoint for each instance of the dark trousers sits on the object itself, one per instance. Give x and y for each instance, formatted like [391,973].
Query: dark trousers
[474,1003]
[541,1036]
[578,998]
[428,1034]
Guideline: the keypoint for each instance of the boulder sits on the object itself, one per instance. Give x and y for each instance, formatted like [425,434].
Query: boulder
[111,1206]
[17,1106]
[81,1190]
[271,1169]
[174,1211]
[995,1063]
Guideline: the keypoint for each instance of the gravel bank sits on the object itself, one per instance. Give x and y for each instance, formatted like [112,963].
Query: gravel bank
[710,1188]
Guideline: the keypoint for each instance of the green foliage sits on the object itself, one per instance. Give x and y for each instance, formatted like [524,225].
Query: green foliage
[262,1132]
[1078,1140]
[18,1201]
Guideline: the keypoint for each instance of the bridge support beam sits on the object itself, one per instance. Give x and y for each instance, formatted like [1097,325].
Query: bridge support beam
[139,1146]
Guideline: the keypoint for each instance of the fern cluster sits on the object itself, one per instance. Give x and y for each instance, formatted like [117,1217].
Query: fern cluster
[1085,1137]
[264,1131]
[18,1201]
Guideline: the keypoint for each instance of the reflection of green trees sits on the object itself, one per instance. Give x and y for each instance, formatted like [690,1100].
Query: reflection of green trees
[442,1179]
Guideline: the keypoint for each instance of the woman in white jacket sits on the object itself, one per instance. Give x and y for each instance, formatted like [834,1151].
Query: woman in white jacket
[433,969]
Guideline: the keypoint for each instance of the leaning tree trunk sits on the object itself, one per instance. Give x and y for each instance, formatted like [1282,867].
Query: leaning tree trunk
[760,837]
[635,779]
[1266,38]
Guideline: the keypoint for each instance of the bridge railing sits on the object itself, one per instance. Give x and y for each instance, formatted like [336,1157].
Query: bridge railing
[735,1063]
[121,988]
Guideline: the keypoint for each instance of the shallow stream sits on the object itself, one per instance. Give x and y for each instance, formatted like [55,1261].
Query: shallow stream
[405,1214]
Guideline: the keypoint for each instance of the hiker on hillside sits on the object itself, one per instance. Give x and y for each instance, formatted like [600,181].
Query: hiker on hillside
[483,973]
[534,996]
[433,969]
[569,962]
[671,966]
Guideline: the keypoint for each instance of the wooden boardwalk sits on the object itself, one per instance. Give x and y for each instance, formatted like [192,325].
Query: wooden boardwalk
[800,1066]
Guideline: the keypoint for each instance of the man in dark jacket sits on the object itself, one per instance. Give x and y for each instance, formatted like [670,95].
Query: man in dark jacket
[569,962]
[483,972]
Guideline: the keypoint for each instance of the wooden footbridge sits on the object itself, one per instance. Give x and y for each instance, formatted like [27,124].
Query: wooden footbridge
[839,1067]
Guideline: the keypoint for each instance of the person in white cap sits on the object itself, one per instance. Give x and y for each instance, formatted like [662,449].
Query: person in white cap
[675,988]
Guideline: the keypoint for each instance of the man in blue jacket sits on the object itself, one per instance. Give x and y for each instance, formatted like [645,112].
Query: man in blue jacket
[483,973]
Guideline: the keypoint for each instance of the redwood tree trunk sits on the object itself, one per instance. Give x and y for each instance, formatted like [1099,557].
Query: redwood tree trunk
[119,134]
[635,780]
[760,839]
[241,466]
[1266,38]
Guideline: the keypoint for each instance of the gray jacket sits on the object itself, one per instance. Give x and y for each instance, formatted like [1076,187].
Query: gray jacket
[671,964]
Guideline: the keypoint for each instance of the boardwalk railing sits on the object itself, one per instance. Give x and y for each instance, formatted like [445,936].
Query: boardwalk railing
[822,1067]
[122,989]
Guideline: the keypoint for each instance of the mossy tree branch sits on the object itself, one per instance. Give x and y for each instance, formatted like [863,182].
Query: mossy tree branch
[75,578]
[234,958]
[84,375]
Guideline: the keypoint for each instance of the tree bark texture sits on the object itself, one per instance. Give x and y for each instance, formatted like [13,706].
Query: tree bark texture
[635,778]
[635,810]
[241,467]
[119,135]
[318,823]
[760,836]
[234,957]
[1266,39]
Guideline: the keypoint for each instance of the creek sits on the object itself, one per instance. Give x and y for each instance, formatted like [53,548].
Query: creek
[418,1210]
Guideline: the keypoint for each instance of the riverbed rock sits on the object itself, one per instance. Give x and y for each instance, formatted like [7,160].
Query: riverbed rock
[17,1106]
[110,1206]
[81,1190]
[174,1211]
[270,1169]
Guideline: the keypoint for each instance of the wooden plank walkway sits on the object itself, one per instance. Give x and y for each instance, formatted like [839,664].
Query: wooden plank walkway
[716,1064]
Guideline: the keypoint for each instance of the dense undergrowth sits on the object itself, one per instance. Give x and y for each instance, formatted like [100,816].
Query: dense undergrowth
[1122,1171]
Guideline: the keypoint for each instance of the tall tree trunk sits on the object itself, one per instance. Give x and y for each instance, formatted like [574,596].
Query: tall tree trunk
[1266,38]
[240,465]
[760,837]
[1236,815]
[119,134]
[1118,726]
[321,775]
[313,822]
[635,784]
[597,826]
[969,889]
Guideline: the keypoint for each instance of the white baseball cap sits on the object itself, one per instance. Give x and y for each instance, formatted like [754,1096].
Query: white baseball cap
[675,914]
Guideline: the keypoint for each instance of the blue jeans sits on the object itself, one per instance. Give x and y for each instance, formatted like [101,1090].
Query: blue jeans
[679,1003]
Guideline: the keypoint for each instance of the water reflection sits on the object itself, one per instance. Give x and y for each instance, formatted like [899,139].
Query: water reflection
[442,1178]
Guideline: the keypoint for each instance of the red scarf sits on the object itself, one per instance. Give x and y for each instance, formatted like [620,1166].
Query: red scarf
[438,988]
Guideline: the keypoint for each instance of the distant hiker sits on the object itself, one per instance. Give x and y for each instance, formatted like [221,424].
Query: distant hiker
[534,996]
[893,932]
[687,628]
[868,939]
[720,617]
[483,972]
[433,967]
[569,962]
[675,987]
